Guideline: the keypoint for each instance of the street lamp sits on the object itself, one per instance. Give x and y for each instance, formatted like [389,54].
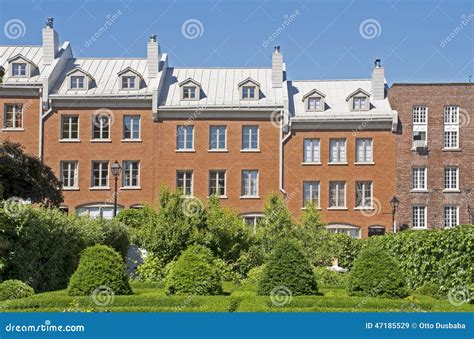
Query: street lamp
[116,169]
[394,203]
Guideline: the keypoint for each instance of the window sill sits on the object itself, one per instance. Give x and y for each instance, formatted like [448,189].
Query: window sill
[185,151]
[105,188]
[131,140]
[69,140]
[451,191]
[338,163]
[364,163]
[364,208]
[451,150]
[220,196]
[317,208]
[419,191]
[70,188]
[420,228]
[338,209]
[100,140]
[13,129]
[130,188]
[250,151]
[218,150]
[249,197]
[311,164]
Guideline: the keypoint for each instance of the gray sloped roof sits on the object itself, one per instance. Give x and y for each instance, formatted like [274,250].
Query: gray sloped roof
[219,88]
[33,53]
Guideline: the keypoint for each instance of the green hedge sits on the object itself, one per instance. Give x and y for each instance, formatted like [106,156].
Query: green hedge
[14,289]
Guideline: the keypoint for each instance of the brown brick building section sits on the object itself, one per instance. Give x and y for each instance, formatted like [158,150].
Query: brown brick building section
[435,97]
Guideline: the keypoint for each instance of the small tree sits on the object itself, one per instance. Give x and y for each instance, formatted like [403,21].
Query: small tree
[287,267]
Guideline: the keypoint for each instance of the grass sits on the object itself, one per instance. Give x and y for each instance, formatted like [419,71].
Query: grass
[152,298]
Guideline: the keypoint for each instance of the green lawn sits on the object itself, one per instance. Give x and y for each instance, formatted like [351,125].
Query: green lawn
[151,298]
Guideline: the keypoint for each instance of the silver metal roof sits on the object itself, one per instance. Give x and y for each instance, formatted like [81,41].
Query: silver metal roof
[33,53]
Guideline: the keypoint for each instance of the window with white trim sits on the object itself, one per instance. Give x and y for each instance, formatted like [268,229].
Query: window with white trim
[100,173]
[184,182]
[131,127]
[250,138]
[185,139]
[451,216]
[311,153]
[364,151]
[451,181]
[314,103]
[420,125]
[77,82]
[364,194]
[217,183]
[217,138]
[128,82]
[419,216]
[419,178]
[101,127]
[18,69]
[451,127]
[250,183]
[69,174]
[13,116]
[311,193]
[189,92]
[337,152]
[248,92]
[359,103]
[70,127]
[131,173]
[337,194]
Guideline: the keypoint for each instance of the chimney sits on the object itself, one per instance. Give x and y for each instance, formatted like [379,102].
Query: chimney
[153,57]
[50,43]
[378,81]
[277,68]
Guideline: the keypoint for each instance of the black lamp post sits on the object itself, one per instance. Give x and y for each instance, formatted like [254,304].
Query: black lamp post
[394,203]
[470,213]
[116,169]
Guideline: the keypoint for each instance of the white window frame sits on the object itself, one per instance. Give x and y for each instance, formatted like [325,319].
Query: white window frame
[341,150]
[367,145]
[418,183]
[189,92]
[451,173]
[451,127]
[366,201]
[420,122]
[132,127]
[246,190]
[76,81]
[127,81]
[214,177]
[418,212]
[357,103]
[308,196]
[250,138]
[247,90]
[15,74]
[72,173]
[70,131]
[337,184]
[127,168]
[98,125]
[101,176]
[218,129]
[350,230]
[451,219]
[256,217]
[184,129]
[315,108]
[187,179]
[15,109]
[312,147]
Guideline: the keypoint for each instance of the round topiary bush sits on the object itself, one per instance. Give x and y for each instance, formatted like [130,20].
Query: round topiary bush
[287,268]
[194,273]
[15,289]
[375,273]
[99,267]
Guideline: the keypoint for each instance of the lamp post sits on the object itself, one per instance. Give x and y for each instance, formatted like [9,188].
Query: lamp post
[116,169]
[394,203]
[470,213]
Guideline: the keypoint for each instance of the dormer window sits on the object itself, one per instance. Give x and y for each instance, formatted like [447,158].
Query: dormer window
[359,100]
[190,89]
[130,79]
[19,69]
[314,104]
[189,92]
[248,92]
[359,103]
[79,79]
[128,82]
[77,82]
[249,89]
[22,67]
[314,101]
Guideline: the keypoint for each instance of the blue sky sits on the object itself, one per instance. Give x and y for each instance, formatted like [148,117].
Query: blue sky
[319,39]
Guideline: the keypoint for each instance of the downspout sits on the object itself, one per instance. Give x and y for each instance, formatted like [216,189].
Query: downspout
[41,128]
[282,142]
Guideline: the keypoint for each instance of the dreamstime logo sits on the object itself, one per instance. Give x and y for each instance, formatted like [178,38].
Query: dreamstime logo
[103,296]
[464,118]
[192,206]
[14,29]
[14,206]
[459,295]
[287,20]
[275,117]
[103,118]
[192,29]
[372,208]
[465,20]
[109,20]
[280,296]
[370,29]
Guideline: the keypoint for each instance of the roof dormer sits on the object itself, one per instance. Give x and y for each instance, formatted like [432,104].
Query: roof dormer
[314,101]
[130,79]
[78,79]
[359,100]
[190,89]
[22,67]
[249,89]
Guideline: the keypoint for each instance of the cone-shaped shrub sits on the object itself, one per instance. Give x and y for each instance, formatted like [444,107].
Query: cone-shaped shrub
[194,273]
[375,273]
[99,266]
[288,268]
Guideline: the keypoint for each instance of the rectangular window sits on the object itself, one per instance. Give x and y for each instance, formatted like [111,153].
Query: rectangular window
[13,117]
[249,183]
[131,173]
[311,152]
[184,182]
[451,216]
[359,103]
[250,137]
[311,193]
[217,183]
[451,127]
[217,138]
[337,151]
[451,178]
[314,104]
[337,194]
[101,127]
[70,127]
[77,82]
[18,69]
[185,137]
[128,82]
[364,151]
[248,92]
[100,174]
[364,194]
[69,174]
[419,178]
[131,127]
[420,126]
[189,92]
[419,216]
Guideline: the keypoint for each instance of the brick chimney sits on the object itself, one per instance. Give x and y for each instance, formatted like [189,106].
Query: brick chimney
[378,81]
[50,43]
[153,57]
[277,68]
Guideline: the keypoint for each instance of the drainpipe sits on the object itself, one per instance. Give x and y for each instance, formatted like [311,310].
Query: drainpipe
[282,142]
[41,126]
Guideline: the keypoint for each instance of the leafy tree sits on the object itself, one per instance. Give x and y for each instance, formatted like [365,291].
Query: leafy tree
[135,219]
[26,177]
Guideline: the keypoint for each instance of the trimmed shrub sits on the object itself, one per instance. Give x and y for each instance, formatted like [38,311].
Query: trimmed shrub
[325,276]
[99,266]
[15,289]
[287,266]
[375,273]
[346,249]
[194,273]
[254,275]
[152,269]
